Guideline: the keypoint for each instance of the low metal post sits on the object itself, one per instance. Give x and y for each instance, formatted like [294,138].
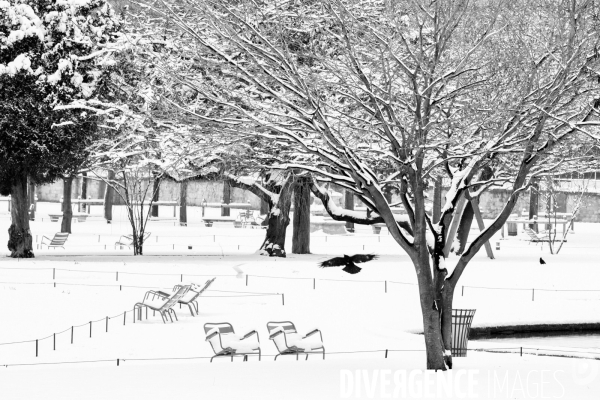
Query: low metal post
[71,335]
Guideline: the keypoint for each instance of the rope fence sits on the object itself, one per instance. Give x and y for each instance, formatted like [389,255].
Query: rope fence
[248,276]
[536,351]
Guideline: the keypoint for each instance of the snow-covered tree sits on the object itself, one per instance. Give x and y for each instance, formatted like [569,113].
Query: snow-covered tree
[53,58]
[478,94]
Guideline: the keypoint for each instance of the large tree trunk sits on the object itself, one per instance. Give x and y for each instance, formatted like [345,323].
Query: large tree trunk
[264,210]
[108,197]
[32,202]
[20,242]
[349,205]
[278,220]
[301,234]
[155,195]
[183,203]
[225,211]
[433,310]
[67,210]
[82,207]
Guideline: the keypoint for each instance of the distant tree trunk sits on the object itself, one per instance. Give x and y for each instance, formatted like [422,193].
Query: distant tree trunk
[183,203]
[437,200]
[301,234]
[155,195]
[225,211]
[82,206]
[462,235]
[31,197]
[533,202]
[20,242]
[67,210]
[278,220]
[108,198]
[349,205]
[387,193]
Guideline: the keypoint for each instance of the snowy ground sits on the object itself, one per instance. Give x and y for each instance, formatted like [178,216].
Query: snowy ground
[354,313]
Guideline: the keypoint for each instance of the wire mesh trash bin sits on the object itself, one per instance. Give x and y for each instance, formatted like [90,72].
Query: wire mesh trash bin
[461,324]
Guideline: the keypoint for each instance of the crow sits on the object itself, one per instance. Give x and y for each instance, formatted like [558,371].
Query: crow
[542,261]
[349,262]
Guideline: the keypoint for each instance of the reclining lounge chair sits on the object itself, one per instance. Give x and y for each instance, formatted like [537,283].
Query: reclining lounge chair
[190,298]
[164,304]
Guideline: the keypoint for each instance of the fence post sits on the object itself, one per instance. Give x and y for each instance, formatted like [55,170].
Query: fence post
[521,351]
[463,291]
[54,341]
[386,352]
[314,283]
[106,324]
[117,362]
[36,347]
[90,328]
[386,286]
[282,300]
[120,287]
[181,277]
[124,316]
[532,294]
[53,273]
[117,276]
[246,279]
[71,334]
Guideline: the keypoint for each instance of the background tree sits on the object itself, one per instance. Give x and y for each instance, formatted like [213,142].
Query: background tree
[51,54]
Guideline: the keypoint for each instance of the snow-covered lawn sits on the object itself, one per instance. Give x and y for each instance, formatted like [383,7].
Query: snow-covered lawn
[354,312]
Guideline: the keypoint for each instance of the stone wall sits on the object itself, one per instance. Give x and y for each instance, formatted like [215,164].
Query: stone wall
[197,192]
[491,202]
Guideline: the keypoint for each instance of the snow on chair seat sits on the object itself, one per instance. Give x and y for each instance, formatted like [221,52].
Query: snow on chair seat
[288,341]
[58,240]
[225,343]
[161,303]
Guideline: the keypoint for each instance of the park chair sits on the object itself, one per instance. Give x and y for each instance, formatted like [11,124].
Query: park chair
[58,240]
[536,237]
[190,298]
[288,341]
[164,304]
[127,240]
[225,343]
[247,218]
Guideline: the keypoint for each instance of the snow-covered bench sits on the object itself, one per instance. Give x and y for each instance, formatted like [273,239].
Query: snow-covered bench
[78,217]
[330,227]
[208,221]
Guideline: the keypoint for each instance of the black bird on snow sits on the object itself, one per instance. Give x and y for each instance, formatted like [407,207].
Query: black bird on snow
[348,262]
[542,261]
